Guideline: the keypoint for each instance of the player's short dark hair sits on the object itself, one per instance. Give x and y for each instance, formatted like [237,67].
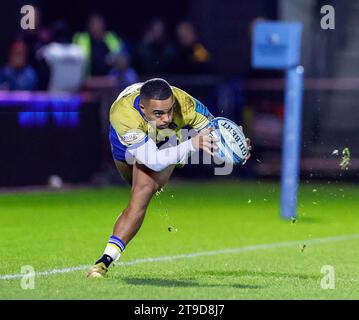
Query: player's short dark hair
[157,89]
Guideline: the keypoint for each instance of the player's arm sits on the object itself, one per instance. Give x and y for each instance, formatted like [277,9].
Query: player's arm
[146,152]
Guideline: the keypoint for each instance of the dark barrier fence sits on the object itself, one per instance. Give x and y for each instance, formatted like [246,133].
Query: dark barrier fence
[43,135]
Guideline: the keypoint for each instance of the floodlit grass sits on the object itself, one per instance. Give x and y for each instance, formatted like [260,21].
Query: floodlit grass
[58,230]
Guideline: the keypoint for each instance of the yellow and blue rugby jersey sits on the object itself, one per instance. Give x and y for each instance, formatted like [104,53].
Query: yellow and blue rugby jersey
[128,125]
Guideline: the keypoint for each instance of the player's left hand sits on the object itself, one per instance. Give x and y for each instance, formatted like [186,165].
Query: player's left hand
[248,144]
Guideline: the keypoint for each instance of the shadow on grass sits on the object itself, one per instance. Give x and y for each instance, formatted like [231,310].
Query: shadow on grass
[309,220]
[246,273]
[158,282]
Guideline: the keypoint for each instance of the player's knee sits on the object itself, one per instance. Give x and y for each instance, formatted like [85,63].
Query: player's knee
[150,188]
[160,183]
[158,186]
[141,196]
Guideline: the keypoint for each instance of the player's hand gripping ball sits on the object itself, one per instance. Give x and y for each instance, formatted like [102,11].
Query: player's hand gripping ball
[233,146]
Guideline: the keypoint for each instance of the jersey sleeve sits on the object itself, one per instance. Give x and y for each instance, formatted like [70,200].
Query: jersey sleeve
[128,126]
[201,116]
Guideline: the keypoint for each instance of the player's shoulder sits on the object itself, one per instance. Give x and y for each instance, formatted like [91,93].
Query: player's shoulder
[129,93]
[179,93]
[123,114]
[184,99]
[191,110]
[126,99]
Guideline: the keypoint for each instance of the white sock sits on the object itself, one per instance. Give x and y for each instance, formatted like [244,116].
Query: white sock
[112,251]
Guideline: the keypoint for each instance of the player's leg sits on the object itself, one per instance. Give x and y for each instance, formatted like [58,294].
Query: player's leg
[145,183]
[125,170]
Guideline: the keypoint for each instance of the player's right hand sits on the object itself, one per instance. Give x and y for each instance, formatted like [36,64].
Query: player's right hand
[205,141]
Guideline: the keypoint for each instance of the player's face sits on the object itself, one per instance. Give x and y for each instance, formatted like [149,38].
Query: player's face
[159,111]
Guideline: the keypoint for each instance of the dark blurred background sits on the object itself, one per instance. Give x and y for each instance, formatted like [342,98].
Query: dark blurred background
[57,82]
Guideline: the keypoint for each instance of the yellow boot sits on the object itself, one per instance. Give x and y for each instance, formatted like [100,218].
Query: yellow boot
[97,271]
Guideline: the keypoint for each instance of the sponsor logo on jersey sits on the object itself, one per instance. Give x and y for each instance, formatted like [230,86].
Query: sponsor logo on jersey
[132,137]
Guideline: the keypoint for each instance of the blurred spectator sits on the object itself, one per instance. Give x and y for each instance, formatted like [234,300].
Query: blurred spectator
[122,71]
[17,74]
[66,60]
[192,57]
[155,53]
[35,39]
[97,43]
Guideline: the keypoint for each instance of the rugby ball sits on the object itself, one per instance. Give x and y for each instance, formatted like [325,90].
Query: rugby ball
[232,143]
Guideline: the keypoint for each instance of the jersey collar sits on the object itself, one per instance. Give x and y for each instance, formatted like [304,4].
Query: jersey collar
[136,105]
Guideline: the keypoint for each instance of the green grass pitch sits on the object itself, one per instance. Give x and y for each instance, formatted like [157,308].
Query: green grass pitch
[227,242]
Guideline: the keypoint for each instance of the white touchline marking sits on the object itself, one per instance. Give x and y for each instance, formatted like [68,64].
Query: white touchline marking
[195,255]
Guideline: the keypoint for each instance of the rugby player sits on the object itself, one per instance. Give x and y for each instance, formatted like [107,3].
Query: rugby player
[144,116]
